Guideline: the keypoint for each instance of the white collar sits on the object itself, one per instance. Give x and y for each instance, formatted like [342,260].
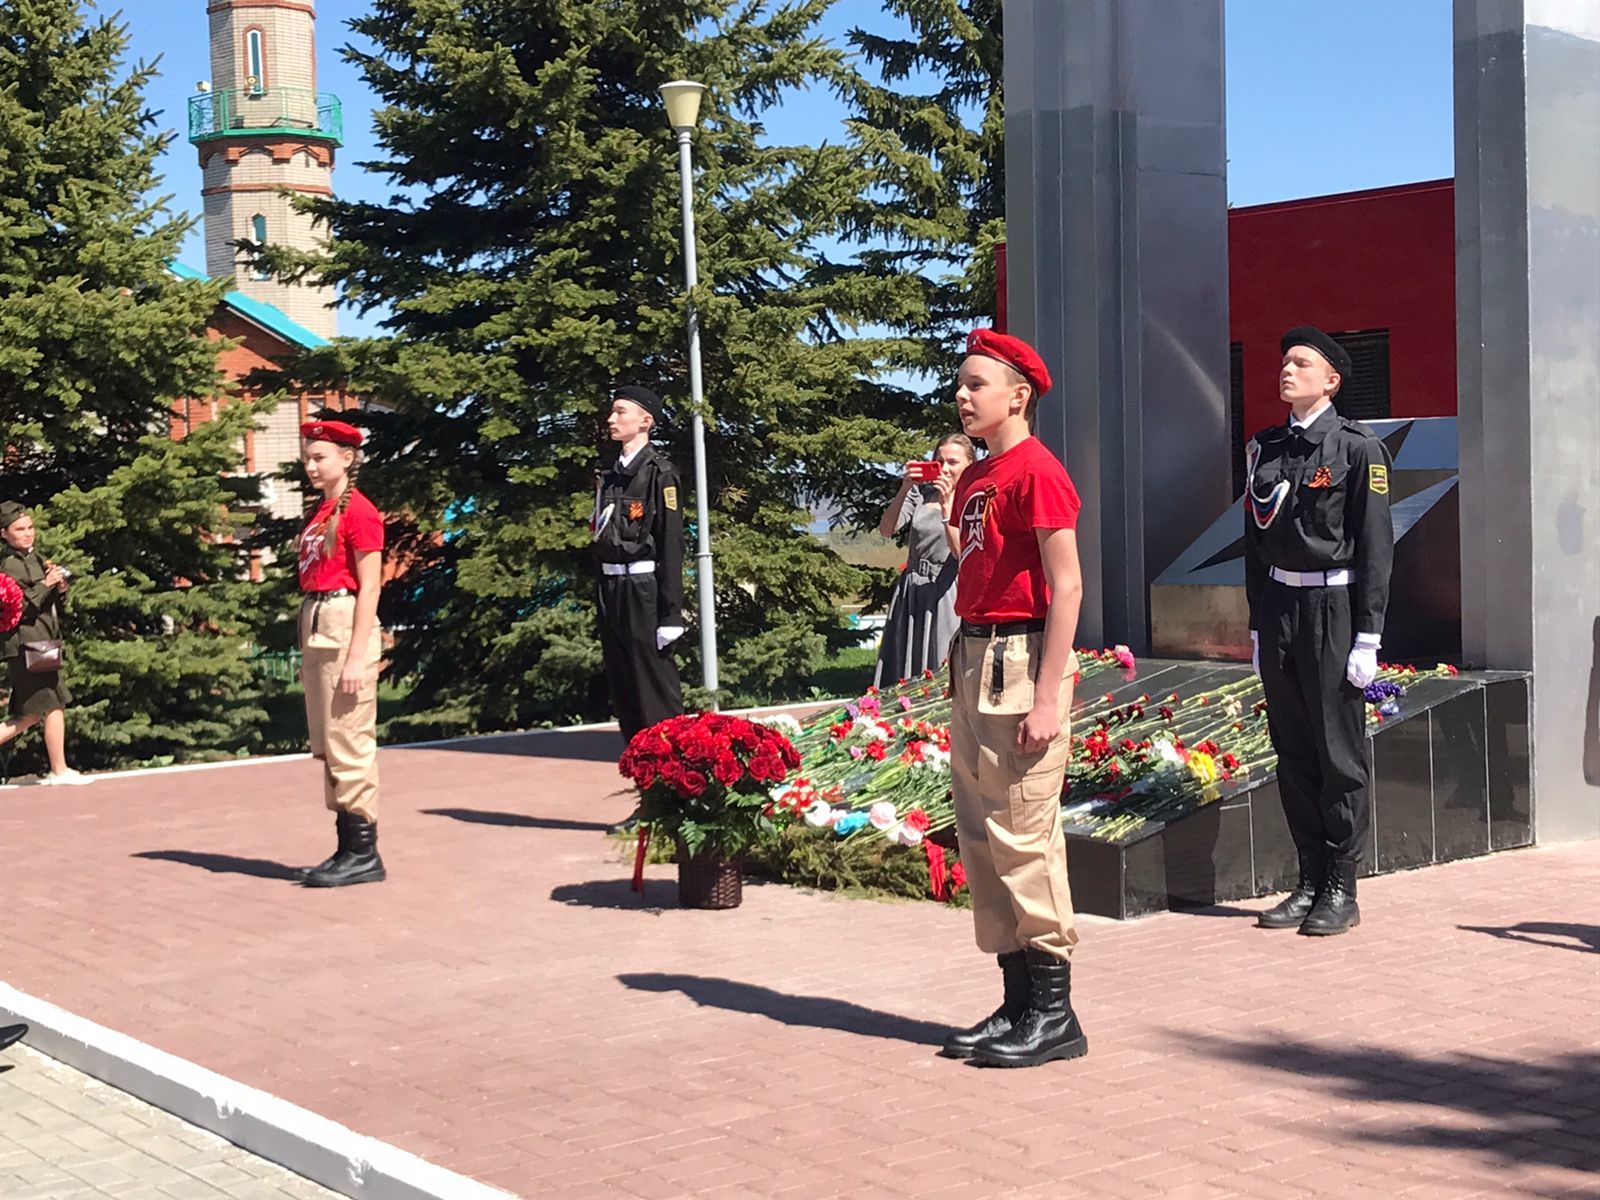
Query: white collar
[1311,417]
[625,460]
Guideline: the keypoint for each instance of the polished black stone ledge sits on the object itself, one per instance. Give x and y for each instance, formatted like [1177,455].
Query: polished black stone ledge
[1451,778]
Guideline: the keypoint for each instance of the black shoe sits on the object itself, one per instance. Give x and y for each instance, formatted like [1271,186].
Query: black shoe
[341,822]
[10,1035]
[358,862]
[1014,973]
[1335,910]
[1289,912]
[1048,1029]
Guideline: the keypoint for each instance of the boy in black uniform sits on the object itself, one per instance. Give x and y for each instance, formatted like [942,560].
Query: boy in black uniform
[1319,546]
[638,533]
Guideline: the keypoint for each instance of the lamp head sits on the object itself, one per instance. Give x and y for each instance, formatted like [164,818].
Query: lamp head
[203,86]
[683,103]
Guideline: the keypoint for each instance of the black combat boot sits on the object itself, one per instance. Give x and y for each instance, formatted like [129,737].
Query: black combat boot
[1014,973]
[1289,912]
[1048,1029]
[341,822]
[1335,910]
[357,863]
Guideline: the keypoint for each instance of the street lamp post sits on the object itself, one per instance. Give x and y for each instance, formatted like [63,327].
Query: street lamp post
[683,110]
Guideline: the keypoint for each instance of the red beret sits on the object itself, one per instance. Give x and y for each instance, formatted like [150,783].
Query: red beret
[1014,352]
[331,431]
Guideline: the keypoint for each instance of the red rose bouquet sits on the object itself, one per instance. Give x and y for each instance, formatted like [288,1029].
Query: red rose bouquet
[10,603]
[705,779]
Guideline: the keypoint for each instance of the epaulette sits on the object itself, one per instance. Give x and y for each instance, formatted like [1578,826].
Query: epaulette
[1356,427]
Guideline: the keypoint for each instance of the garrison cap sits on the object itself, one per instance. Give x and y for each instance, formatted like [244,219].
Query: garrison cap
[11,512]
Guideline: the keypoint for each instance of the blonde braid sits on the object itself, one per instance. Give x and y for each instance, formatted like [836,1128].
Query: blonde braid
[330,528]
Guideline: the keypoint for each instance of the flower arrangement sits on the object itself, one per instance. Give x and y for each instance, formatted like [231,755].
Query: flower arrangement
[877,770]
[704,780]
[10,603]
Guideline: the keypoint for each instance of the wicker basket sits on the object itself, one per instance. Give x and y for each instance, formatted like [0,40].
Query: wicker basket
[708,880]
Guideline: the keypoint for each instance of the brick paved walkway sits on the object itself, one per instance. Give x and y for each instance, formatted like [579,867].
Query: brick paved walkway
[63,1136]
[504,1007]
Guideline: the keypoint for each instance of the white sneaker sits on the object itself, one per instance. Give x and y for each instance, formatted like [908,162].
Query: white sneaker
[67,778]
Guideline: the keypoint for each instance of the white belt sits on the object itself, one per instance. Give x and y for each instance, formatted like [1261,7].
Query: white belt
[643,567]
[1337,578]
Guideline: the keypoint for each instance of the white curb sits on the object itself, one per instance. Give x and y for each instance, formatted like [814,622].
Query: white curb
[293,1137]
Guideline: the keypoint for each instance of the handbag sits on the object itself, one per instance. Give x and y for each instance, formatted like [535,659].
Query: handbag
[42,657]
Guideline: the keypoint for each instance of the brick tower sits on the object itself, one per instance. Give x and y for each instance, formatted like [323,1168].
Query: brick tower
[261,128]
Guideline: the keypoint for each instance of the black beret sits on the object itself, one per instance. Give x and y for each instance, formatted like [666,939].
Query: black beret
[11,512]
[1310,335]
[645,399]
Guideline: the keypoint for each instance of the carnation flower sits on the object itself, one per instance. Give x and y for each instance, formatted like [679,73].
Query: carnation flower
[1124,657]
[819,814]
[883,816]
[906,835]
[849,823]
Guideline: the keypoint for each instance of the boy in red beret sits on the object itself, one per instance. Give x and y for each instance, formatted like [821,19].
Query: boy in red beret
[1012,670]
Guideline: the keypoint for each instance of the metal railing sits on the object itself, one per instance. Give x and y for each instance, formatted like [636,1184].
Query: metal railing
[233,111]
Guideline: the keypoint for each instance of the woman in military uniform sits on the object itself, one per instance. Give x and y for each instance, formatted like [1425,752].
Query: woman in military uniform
[638,533]
[37,693]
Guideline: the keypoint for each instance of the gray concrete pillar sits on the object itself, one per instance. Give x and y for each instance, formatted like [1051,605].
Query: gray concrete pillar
[1117,257]
[1527,90]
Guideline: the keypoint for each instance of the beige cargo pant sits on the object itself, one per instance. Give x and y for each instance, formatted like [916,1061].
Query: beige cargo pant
[1008,804]
[343,728]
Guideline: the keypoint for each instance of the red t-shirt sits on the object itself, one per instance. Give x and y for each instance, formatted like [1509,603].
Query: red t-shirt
[360,529]
[999,503]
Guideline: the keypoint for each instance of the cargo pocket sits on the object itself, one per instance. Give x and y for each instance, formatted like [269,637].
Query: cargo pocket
[1005,682]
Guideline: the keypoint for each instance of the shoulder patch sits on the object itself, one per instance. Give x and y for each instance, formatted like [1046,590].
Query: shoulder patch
[669,497]
[1378,478]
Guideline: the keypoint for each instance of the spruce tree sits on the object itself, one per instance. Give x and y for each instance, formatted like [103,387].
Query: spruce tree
[532,260]
[930,113]
[98,340]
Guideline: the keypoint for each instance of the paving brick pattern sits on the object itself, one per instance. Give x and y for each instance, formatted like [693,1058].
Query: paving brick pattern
[505,1007]
[64,1136]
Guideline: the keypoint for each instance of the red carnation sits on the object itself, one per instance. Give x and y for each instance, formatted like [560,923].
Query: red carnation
[918,820]
[958,876]
[875,751]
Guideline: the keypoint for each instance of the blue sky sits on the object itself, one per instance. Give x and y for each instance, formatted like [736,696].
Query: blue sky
[1315,104]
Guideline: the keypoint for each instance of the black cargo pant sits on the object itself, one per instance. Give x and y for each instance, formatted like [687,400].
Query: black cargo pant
[1317,718]
[643,681]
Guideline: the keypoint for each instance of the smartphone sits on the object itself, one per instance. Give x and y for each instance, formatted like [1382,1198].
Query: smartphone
[924,470]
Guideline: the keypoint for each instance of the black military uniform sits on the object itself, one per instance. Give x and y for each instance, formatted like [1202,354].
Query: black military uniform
[1319,549]
[638,531]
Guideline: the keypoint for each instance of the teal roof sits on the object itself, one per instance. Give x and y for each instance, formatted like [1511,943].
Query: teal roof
[274,320]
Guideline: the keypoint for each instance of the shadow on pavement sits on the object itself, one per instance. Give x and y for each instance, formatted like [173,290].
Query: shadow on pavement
[820,1012]
[223,864]
[1584,938]
[618,893]
[483,816]
[581,745]
[1543,1113]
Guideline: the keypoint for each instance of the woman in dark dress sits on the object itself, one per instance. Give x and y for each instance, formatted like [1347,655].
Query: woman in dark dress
[36,695]
[922,607]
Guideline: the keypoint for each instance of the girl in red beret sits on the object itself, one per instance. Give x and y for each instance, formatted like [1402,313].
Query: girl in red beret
[341,560]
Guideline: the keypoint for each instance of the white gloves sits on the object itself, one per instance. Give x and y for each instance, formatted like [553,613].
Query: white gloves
[1255,653]
[1362,667]
[667,634]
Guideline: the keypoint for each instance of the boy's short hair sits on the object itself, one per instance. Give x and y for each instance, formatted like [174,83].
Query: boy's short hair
[1017,378]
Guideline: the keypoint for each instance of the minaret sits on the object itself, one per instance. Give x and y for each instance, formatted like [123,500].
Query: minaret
[261,127]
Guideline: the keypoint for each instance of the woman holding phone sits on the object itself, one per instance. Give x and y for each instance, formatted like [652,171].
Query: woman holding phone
[34,649]
[922,607]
